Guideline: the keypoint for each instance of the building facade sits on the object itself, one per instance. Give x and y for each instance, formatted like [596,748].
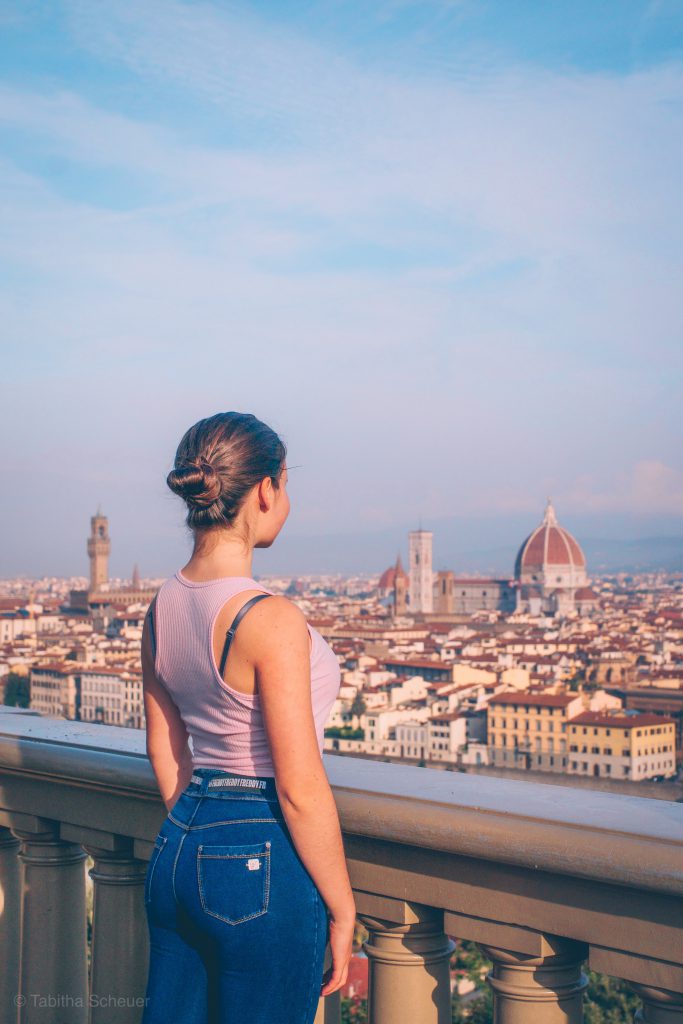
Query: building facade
[620,745]
[529,731]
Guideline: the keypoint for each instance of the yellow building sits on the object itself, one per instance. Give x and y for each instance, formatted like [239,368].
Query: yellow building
[529,730]
[622,745]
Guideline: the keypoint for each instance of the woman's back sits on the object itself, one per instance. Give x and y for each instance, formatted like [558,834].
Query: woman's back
[250,856]
[225,724]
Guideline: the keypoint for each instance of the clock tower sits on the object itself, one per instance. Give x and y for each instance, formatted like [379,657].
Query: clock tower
[99,546]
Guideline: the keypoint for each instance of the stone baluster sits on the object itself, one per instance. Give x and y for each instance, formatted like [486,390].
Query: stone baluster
[408,964]
[53,972]
[547,988]
[10,912]
[660,1006]
[120,943]
[329,1009]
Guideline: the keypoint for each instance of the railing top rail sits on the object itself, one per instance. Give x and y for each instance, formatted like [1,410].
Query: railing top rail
[626,840]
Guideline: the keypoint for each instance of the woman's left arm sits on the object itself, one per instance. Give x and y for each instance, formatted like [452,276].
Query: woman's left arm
[167,740]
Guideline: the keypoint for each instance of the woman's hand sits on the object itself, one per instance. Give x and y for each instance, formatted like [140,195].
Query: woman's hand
[341,948]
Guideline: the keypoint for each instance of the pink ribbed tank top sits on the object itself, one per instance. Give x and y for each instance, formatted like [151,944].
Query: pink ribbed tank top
[225,726]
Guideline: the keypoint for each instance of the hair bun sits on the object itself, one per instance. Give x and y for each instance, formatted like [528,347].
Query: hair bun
[219,461]
[197,482]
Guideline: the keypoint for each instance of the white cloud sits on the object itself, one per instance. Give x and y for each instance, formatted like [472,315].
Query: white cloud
[650,487]
[521,311]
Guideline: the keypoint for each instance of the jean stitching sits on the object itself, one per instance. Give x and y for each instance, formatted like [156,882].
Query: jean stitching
[180,846]
[231,795]
[236,796]
[267,893]
[232,821]
[228,856]
[154,859]
[311,996]
[221,917]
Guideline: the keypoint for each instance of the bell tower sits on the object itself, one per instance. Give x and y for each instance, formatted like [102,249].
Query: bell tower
[421,576]
[99,547]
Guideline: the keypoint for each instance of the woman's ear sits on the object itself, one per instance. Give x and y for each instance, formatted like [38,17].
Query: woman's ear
[265,494]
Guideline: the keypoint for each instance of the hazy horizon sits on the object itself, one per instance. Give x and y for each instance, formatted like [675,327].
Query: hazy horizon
[479,546]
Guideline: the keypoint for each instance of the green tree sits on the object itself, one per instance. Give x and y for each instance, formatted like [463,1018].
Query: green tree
[608,1000]
[354,1010]
[474,1007]
[17,691]
[358,707]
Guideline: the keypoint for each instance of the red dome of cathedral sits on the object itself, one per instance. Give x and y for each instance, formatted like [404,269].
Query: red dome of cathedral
[549,546]
[388,577]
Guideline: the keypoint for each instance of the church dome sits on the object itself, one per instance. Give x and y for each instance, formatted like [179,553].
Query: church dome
[386,580]
[388,577]
[550,546]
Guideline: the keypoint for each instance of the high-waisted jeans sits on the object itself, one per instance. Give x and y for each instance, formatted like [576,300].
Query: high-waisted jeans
[238,928]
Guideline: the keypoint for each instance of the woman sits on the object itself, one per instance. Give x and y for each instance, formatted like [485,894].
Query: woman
[247,882]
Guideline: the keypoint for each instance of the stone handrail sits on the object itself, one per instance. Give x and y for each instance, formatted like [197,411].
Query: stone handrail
[543,877]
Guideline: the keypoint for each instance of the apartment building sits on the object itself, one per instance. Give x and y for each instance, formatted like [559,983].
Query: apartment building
[529,730]
[53,690]
[622,745]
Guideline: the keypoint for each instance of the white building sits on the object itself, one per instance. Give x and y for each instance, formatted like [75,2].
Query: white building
[52,690]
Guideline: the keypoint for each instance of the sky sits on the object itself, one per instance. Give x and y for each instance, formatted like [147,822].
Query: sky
[436,244]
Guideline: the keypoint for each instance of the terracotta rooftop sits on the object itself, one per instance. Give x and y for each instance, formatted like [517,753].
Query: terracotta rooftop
[620,721]
[552,700]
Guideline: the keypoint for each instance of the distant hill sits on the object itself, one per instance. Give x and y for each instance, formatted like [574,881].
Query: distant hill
[645,554]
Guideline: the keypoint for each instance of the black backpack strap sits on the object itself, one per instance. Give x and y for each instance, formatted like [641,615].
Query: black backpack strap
[235,623]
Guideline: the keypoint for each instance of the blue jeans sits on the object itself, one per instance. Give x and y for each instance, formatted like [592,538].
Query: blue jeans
[237,927]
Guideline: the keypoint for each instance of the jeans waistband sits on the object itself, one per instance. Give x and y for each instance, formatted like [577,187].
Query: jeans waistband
[218,780]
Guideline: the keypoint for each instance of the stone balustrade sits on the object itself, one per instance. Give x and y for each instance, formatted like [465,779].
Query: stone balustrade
[545,879]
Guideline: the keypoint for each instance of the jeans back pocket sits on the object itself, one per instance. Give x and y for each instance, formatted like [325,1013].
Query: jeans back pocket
[159,844]
[234,881]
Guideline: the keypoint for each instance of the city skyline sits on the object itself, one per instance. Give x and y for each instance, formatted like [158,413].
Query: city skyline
[304,556]
[448,275]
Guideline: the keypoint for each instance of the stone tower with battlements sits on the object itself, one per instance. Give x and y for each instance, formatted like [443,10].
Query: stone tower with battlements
[99,547]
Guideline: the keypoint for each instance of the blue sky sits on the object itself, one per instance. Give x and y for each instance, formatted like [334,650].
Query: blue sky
[436,245]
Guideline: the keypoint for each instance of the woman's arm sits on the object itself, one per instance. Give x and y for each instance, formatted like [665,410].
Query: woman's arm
[167,740]
[277,639]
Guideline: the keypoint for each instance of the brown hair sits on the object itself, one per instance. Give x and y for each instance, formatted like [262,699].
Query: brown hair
[217,463]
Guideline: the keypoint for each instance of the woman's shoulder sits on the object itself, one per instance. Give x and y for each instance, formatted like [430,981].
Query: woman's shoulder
[280,608]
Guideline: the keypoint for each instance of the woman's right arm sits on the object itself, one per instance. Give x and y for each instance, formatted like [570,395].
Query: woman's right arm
[280,639]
